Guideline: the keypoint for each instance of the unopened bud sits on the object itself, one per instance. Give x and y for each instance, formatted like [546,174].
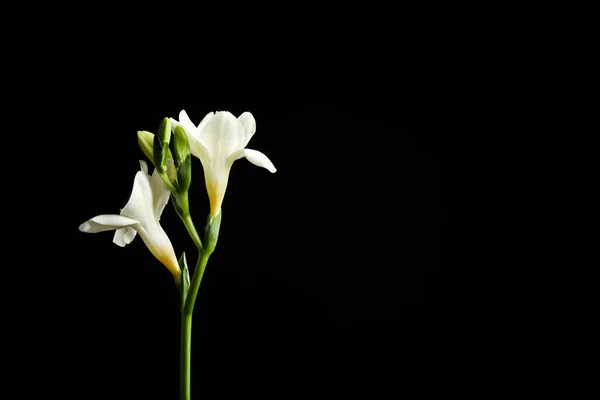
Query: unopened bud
[146,142]
[183,160]
[181,144]
[161,145]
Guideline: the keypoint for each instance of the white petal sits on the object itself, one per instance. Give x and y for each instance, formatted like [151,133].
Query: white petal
[144,166]
[236,156]
[160,246]
[160,194]
[249,123]
[258,158]
[187,123]
[222,135]
[106,222]
[174,124]
[140,205]
[141,214]
[197,148]
[124,236]
[205,120]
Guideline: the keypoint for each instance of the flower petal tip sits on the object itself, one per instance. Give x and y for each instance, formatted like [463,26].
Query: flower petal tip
[120,244]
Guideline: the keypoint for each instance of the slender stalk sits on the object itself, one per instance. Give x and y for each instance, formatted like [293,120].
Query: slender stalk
[189,225]
[185,357]
[211,237]
[186,328]
[188,308]
[183,210]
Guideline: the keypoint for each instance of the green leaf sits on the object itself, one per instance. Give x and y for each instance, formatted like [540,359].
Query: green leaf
[184,286]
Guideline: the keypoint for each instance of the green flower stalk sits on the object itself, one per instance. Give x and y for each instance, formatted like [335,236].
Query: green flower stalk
[185,357]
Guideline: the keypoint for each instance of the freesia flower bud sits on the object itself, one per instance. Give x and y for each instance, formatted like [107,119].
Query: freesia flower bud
[181,144]
[183,160]
[161,145]
[146,142]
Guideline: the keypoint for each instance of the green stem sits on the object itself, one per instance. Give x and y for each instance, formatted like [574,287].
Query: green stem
[183,210]
[188,308]
[165,177]
[186,327]
[189,225]
[211,237]
[185,356]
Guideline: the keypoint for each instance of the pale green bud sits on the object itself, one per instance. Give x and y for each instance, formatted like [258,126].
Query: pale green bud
[161,145]
[183,160]
[146,142]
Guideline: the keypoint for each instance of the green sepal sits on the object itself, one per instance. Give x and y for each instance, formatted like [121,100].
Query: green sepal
[181,203]
[184,286]
[211,232]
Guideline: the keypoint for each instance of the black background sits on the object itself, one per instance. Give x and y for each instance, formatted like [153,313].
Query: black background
[325,277]
[312,261]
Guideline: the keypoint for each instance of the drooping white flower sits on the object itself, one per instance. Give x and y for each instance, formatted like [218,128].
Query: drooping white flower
[141,215]
[219,140]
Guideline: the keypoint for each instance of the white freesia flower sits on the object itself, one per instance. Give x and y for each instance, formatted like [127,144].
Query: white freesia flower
[218,141]
[141,215]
